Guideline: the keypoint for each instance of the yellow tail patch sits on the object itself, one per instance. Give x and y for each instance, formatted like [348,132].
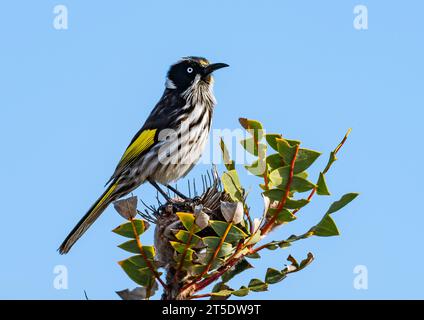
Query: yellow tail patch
[107,195]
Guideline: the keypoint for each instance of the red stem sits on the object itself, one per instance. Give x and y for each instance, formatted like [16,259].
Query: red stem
[143,254]
[218,248]
[283,201]
[309,199]
[212,278]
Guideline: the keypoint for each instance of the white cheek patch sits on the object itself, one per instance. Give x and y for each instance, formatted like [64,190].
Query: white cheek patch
[170,84]
[196,79]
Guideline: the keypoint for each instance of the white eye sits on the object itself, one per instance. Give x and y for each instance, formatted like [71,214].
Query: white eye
[189,69]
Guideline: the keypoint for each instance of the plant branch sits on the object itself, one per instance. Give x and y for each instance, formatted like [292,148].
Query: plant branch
[282,203]
[335,151]
[204,283]
[259,248]
[143,254]
[328,166]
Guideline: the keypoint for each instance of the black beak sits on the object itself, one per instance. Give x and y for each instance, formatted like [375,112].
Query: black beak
[213,67]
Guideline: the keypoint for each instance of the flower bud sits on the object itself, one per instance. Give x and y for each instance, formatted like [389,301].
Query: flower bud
[127,208]
[232,211]
[201,218]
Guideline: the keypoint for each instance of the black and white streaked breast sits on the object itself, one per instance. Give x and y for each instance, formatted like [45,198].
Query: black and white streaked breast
[173,158]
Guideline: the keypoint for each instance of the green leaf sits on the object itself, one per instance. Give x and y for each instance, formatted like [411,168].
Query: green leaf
[221,291]
[296,204]
[305,158]
[298,184]
[131,246]
[322,188]
[126,229]
[277,195]
[187,220]
[235,270]
[234,235]
[181,248]
[301,185]
[284,216]
[306,261]
[271,138]
[274,161]
[256,237]
[293,261]
[243,291]
[212,244]
[280,176]
[259,167]
[293,237]
[149,251]
[302,174]
[178,246]
[274,194]
[253,256]
[295,266]
[257,285]
[253,127]
[286,150]
[229,164]
[326,227]
[142,276]
[139,261]
[184,236]
[251,146]
[293,142]
[196,269]
[344,200]
[273,276]
[272,245]
[232,185]
[284,244]
[219,286]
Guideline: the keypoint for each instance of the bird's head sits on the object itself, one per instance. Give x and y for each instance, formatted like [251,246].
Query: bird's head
[191,71]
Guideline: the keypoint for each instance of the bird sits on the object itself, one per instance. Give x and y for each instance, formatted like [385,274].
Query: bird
[169,143]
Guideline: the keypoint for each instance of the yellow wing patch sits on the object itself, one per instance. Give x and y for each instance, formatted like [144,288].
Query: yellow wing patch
[143,142]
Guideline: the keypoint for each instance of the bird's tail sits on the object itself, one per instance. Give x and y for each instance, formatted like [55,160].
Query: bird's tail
[93,213]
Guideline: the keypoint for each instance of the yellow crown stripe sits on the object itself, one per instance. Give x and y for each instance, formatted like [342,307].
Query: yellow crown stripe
[143,142]
[203,62]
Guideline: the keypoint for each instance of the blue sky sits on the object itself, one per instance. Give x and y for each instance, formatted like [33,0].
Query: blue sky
[70,101]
